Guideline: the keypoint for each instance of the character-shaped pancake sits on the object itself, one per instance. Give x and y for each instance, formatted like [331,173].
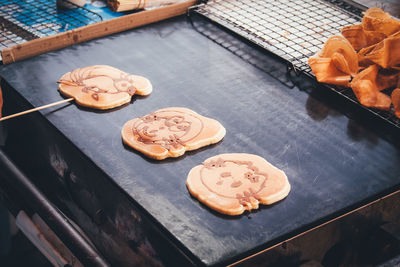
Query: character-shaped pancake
[170,132]
[233,183]
[102,86]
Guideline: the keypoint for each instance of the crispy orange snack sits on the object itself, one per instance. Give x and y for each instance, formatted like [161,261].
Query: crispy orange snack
[363,61]
[396,101]
[376,26]
[336,63]
[342,53]
[385,53]
[326,72]
[360,38]
[365,88]
[374,68]
[387,78]
[375,19]
[355,35]
[380,78]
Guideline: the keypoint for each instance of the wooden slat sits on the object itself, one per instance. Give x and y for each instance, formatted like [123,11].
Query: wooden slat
[35,109]
[92,31]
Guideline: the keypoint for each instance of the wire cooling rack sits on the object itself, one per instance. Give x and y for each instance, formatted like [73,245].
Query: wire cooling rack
[291,29]
[24,20]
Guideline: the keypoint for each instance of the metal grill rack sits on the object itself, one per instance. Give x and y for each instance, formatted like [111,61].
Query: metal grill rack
[21,21]
[291,29]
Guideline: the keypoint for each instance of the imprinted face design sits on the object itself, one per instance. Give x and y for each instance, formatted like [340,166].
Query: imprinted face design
[170,129]
[100,79]
[232,179]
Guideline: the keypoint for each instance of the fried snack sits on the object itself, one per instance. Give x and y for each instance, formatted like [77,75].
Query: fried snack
[366,90]
[396,101]
[326,72]
[102,86]
[376,25]
[380,78]
[170,132]
[341,52]
[387,78]
[374,68]
[385,53]
[355,35]
[376,20]
[336,63]
[363,62]
[360,38]
[234,183]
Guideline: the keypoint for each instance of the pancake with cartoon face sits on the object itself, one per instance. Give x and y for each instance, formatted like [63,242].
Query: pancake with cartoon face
[170,132]
[233,183]
[102,86]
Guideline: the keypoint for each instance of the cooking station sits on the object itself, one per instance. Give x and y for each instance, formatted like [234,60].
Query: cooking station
[341,159]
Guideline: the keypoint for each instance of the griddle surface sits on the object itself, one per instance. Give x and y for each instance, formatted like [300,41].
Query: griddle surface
[330,169]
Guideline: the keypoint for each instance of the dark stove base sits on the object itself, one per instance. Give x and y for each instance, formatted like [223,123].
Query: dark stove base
[368,237]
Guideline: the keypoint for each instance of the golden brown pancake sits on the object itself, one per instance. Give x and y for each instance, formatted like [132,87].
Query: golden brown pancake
[102,87]
[170,132]
[233,183]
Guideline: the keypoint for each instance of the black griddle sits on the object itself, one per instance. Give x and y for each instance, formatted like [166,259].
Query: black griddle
[334,158]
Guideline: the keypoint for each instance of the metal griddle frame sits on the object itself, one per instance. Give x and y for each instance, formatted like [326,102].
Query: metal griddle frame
[293,30]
